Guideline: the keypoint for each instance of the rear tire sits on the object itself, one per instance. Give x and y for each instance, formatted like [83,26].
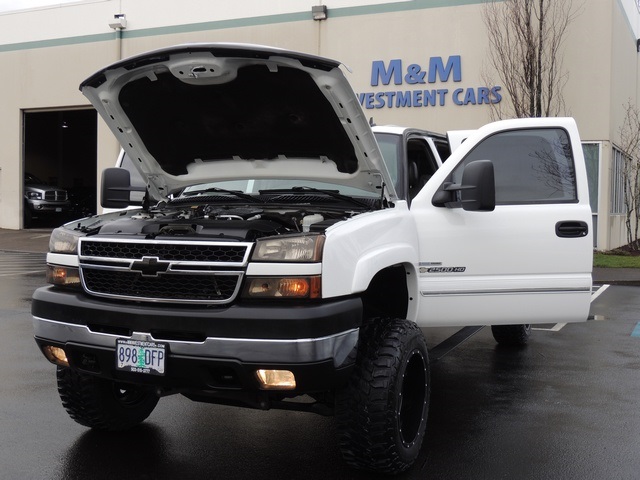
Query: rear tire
[382,413]
[511,335]
[103,404]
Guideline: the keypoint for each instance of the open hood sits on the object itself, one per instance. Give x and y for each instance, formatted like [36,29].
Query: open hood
[210,112]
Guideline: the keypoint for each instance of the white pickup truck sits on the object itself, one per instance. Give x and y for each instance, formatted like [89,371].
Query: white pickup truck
[276,255]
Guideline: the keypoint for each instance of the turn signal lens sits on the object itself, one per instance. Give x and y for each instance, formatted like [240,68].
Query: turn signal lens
[276,379]
[56,355]
[287,287]
[294,287]
[67,276]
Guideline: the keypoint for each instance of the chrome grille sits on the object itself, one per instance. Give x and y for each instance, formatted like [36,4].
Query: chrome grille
[55,195]
[163,271]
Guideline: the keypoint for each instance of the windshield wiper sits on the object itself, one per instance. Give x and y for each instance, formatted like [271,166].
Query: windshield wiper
[235,193]
[330,193]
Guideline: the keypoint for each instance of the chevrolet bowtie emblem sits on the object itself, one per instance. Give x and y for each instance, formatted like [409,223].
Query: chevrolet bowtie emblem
[150,266]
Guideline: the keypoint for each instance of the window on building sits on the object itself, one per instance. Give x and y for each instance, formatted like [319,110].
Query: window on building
[617,183]
[592,152]
[592,159]
[530,165]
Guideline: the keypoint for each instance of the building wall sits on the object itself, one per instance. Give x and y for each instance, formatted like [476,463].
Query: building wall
[623,89]
[46,53]
[587,60]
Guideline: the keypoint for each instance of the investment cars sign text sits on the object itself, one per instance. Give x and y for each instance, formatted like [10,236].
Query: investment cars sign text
[417,86]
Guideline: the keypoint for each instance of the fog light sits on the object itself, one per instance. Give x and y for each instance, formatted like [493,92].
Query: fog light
[276,379]
[56,355]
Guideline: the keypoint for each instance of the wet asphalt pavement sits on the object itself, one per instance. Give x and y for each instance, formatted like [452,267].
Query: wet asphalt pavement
[564,407]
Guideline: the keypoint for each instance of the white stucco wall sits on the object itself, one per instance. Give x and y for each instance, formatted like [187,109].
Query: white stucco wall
[47,52]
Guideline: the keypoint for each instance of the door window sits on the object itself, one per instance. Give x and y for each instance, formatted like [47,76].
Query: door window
[531,166]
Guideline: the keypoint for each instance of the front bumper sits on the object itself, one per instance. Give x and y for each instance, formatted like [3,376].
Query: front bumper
[209,349]
[45,206]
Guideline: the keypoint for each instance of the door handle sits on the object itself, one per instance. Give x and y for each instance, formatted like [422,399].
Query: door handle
[572,229]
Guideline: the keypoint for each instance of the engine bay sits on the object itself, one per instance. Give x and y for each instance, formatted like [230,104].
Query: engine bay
[230,223]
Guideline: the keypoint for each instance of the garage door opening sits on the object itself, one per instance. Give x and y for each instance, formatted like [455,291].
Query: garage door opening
[59,166]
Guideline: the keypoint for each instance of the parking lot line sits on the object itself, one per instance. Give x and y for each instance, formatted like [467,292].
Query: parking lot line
[599,292]
[559,326]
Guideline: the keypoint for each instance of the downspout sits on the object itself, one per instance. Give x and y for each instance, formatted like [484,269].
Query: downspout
[319,13]
[118,44]
[119,24]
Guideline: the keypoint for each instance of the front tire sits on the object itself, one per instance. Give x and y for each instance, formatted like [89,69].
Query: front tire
[511,335]
[382,413]
[103,404]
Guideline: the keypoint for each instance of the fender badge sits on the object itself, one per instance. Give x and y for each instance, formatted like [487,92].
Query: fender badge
[442,269]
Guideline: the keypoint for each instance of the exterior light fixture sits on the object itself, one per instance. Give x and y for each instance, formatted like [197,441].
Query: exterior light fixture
[276,379]
[56,355]
[119,21]
[319,12]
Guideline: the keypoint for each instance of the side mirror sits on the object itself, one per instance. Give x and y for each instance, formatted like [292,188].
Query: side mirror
[477,189]
[116,188]
[479,186]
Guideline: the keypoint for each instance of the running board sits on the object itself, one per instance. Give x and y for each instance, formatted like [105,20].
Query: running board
[445,347]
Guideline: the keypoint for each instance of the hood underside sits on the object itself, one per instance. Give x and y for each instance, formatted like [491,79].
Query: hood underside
[210,112]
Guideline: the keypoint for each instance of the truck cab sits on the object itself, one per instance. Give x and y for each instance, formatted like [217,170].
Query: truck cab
[411,155]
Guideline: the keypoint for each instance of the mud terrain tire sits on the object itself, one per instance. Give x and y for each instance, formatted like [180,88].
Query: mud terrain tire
[511,335]
[382,413]
[103,404]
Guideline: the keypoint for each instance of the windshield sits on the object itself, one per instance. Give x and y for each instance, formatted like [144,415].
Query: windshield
[390,147]
[254,186]
[30,179]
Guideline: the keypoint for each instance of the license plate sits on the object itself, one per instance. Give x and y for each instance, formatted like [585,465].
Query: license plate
[58,209]
[140,356]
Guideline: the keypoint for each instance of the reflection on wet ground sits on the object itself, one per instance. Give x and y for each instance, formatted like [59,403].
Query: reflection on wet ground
[564,407]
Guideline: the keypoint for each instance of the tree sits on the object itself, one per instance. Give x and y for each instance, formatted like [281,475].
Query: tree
[630,171]
[526,38]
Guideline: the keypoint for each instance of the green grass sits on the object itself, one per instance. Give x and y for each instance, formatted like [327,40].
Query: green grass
[612,260]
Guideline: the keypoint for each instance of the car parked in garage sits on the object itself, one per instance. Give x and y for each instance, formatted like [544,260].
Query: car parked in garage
[42,200]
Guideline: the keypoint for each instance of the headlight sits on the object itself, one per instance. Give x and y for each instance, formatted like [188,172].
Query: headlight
[294,248]
[34,195]
[63,240]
